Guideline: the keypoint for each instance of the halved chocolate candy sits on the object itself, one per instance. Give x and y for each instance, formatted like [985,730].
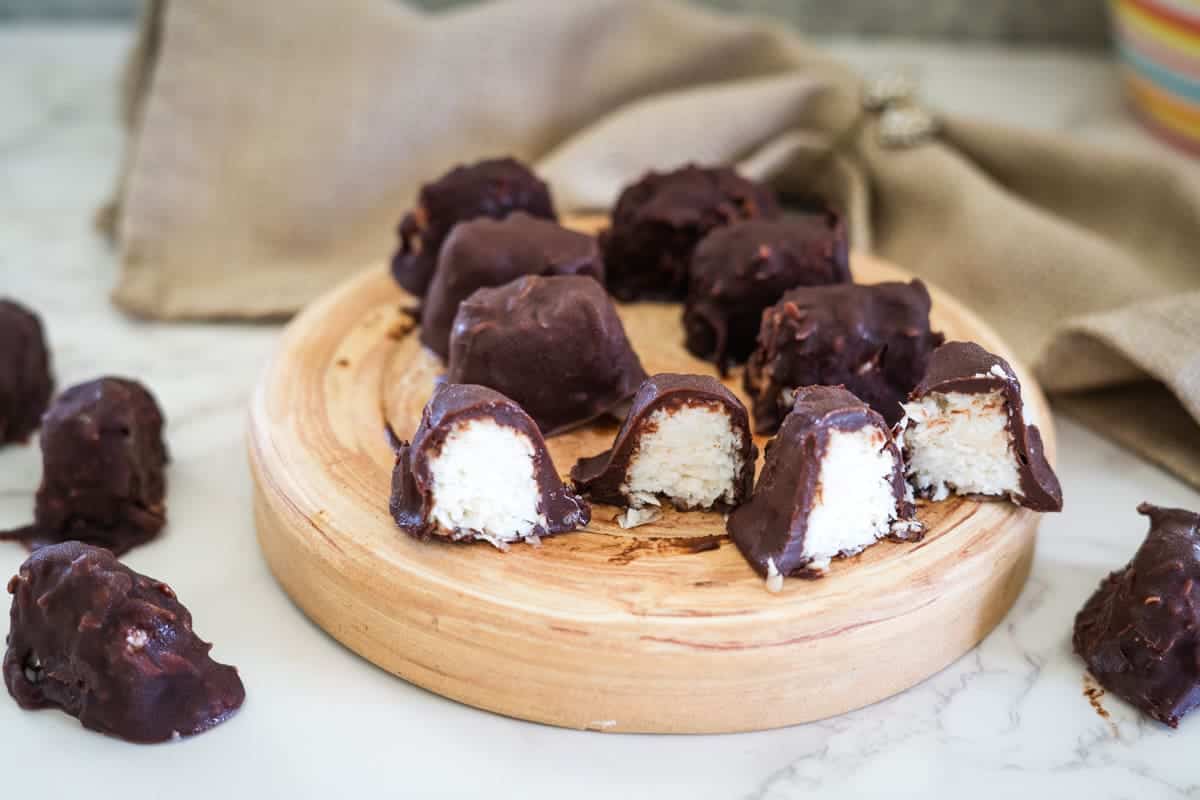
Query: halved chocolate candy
[659,220]
[874,340]
[1140,632]
[738,270]
[964,431]
[478,469]
[492,188]
[554,345]
[487,252]
[103,468]
[685,441]
[831,486]
[111,647]
[25,379]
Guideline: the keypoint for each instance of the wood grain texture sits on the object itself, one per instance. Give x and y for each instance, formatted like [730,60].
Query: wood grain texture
[663,628]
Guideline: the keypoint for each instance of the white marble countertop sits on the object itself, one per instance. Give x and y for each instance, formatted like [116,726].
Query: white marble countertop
[1007,719]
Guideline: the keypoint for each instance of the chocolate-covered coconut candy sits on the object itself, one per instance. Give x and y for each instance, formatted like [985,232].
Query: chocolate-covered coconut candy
[111,647]
[478,469]
[964,431]
[832,485]
[875,340]
[686,441]
[25,380]
[1140,632]
[659,220]
[740,269]
[103,468]
[491,188]
[488,252]
[553,345]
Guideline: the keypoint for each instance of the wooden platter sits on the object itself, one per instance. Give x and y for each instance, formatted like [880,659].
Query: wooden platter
[662,628]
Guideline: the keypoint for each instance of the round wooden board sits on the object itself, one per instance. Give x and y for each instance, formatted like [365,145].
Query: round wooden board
[662,628]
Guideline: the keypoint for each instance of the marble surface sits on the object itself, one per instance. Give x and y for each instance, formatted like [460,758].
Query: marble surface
[1007,719]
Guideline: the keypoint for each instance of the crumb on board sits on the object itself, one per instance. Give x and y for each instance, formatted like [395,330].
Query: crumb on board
[400,327]
[774,580]
[633,517]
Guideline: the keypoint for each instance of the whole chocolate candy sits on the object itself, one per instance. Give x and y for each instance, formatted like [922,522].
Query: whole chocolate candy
[103,468]
[740,269]
[111,647]
[874,340]
[555,346]
[491,188]
[659,220]
[25,380]
[1140,632]
[487,252]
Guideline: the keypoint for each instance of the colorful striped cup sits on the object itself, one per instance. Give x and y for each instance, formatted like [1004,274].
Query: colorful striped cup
[1159,43]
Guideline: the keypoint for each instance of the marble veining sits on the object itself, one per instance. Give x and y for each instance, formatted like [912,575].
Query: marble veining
[1007,720]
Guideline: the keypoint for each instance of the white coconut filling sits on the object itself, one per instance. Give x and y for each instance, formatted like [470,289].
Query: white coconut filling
[483,481]
[690,455]
[960,442]
[855,502]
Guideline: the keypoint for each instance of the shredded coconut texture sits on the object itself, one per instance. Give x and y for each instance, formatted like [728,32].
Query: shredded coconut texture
[483,482]
[856,502]
[960,442]
[690,455]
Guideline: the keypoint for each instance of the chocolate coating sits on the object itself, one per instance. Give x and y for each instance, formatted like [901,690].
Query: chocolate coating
[491,188]
[112,648]
[411,502]
[554,345]
[601,476]
[740,269]
[1140,632]
[103,468]
[659,220]
[773,524]
[25,380]
[874,340]
[487,252]
[967,368]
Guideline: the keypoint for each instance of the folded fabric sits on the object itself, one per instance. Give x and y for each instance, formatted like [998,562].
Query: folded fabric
[274,146]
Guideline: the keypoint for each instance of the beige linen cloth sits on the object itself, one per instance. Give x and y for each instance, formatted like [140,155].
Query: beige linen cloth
[274,145]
